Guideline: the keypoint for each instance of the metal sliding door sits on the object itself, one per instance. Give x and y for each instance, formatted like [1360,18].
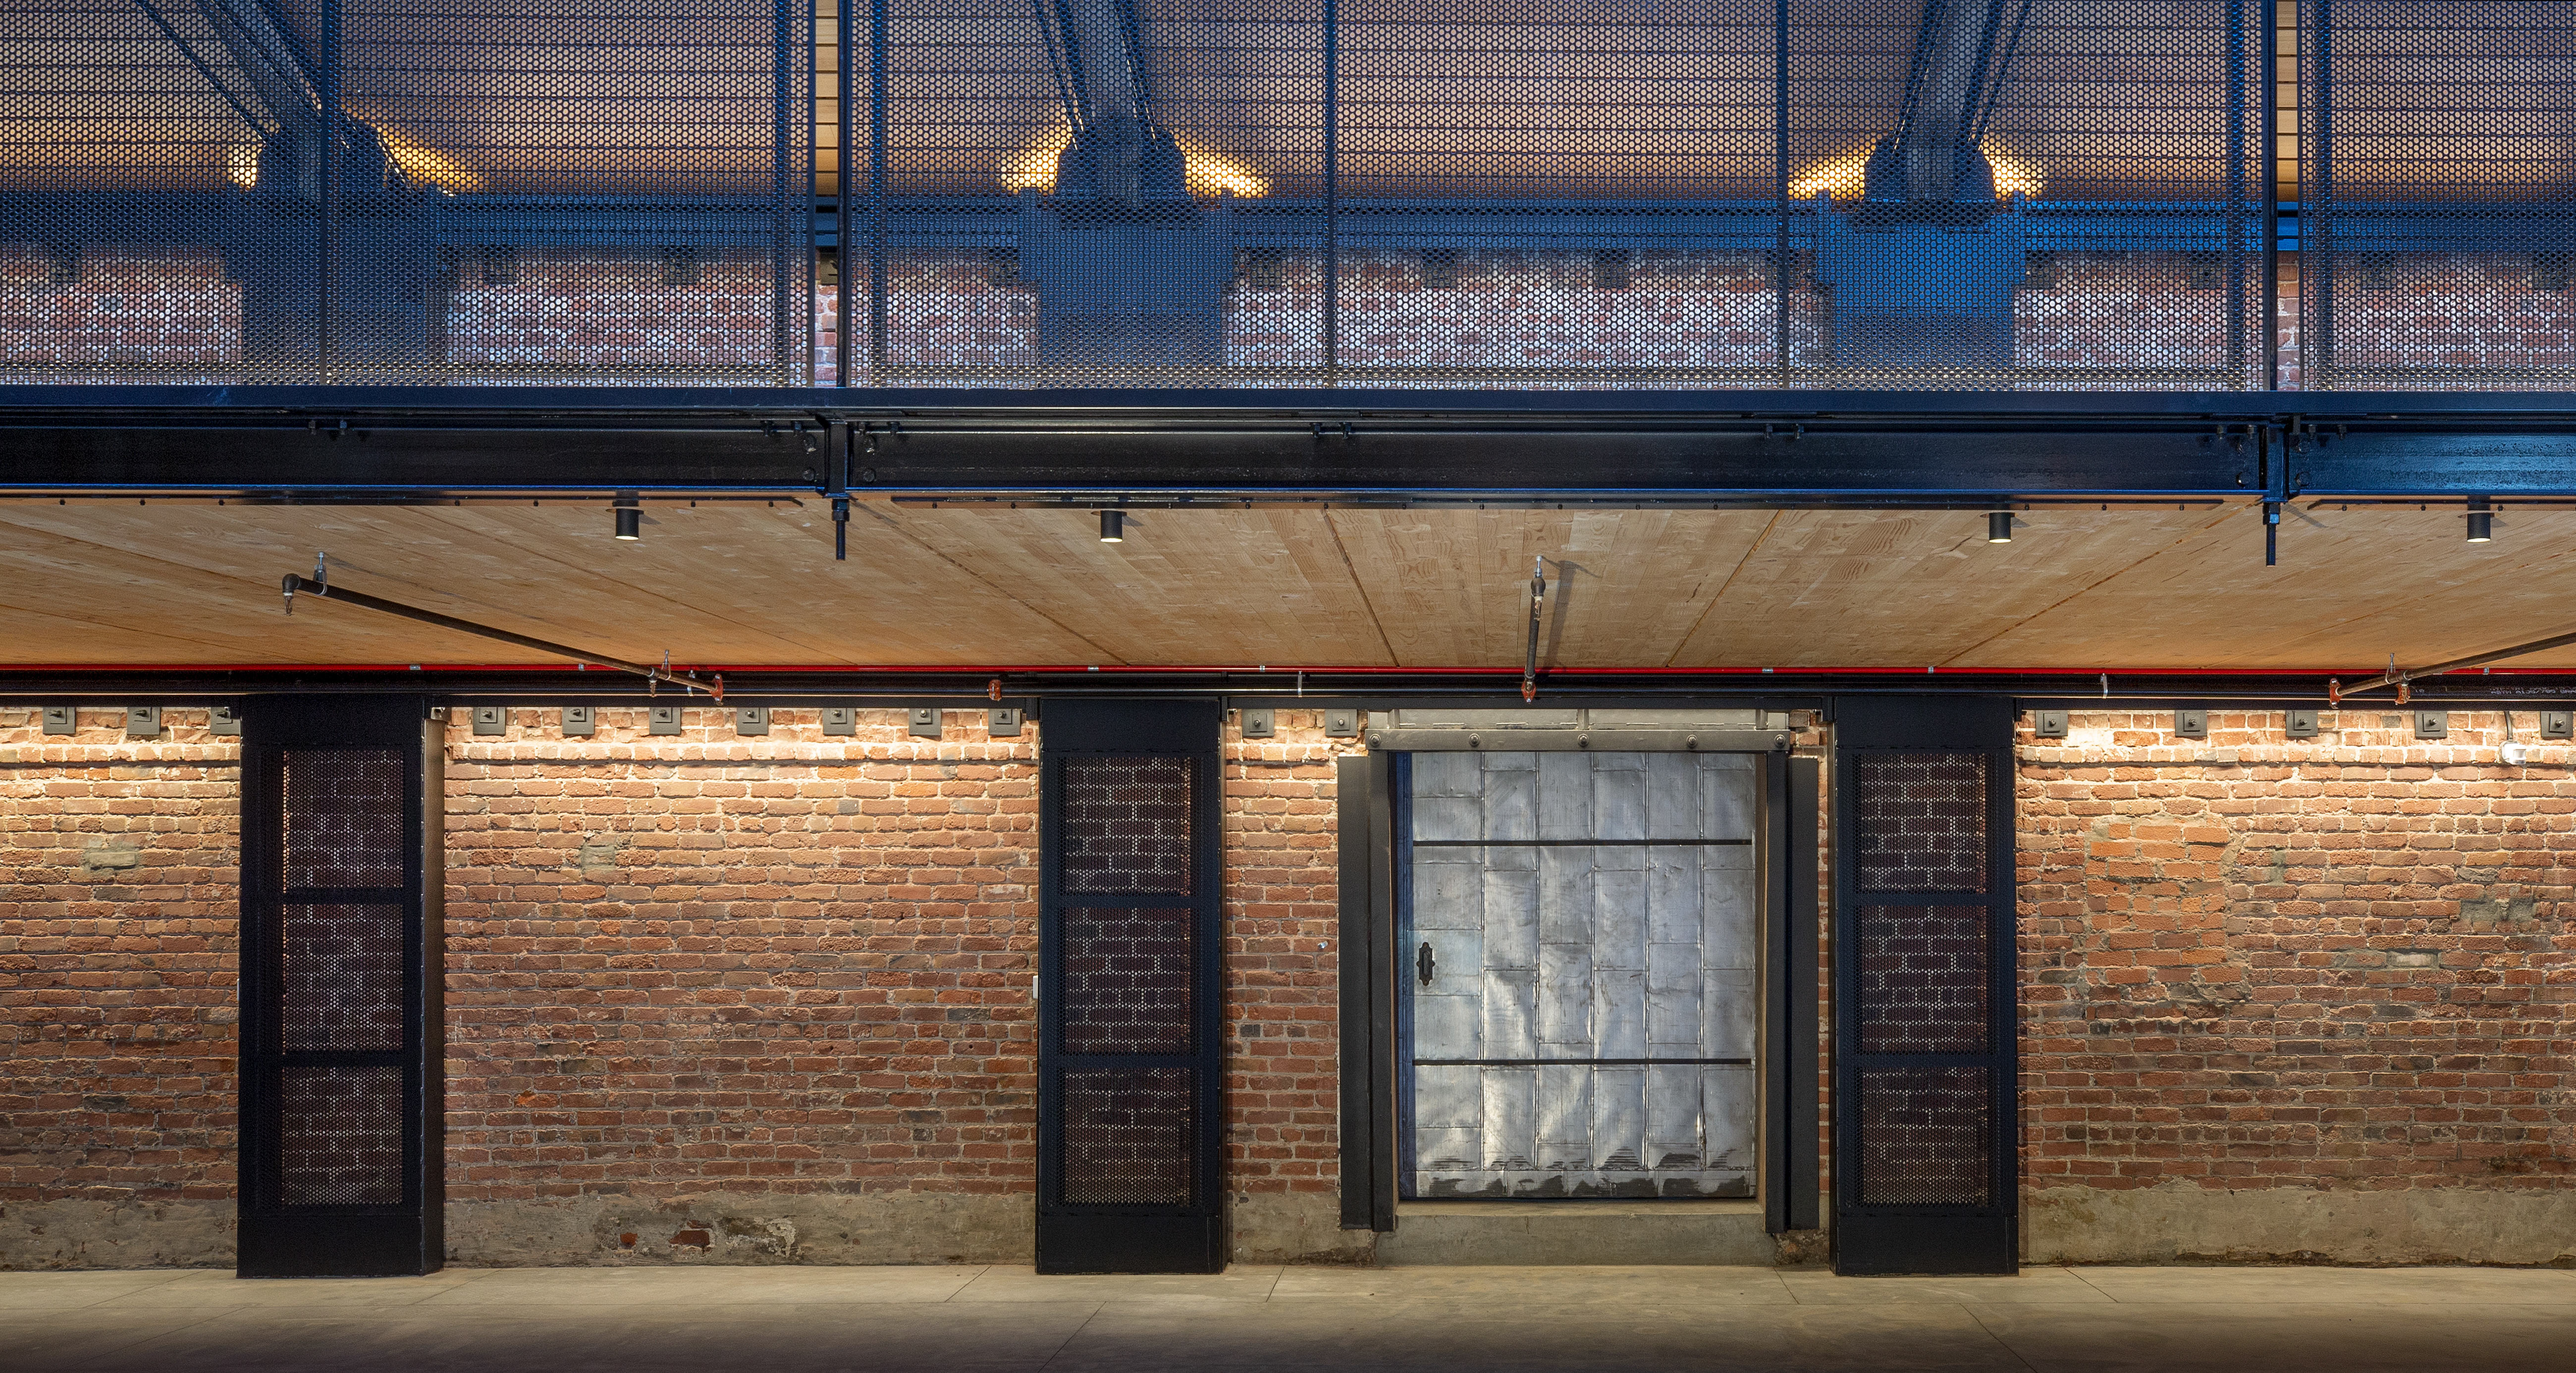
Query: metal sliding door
[1130,1012]
[1925,1174]
[341,1046]
[1580,955]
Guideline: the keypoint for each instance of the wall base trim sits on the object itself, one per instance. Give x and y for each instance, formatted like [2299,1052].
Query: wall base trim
[2182,1224]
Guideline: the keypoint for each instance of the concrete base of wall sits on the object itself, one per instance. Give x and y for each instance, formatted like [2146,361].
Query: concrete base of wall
[744,1228]
[1538,1233]
[1297,1227]
[85,1232]
[2186,1224]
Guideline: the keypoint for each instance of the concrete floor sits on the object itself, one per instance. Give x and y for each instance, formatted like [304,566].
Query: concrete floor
[700,1319]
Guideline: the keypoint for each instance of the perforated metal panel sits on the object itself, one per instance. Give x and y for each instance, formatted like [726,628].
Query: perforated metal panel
[340,988]
[1989,194]
[1920,821]
[2437,206]
[1924,1057]
[1927,1137]
[340,977]
[338,191]
[1129,1138]
[1127,976]
[1130,1026]
[1127,825]
[1924,971]
[340,1136]
[345,818]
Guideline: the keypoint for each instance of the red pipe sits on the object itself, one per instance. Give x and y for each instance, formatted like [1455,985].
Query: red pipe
[1273,670]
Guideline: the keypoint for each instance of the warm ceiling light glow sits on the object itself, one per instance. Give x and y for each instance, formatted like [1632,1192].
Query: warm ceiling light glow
[1999,525]
[1845,178]
[241,164]
[423,163]
[2016,174]
[1840,178]
[1207,174]
[1034,168]
[1113,526]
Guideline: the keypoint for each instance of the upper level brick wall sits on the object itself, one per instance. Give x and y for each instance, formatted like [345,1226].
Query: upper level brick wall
[2252,961]
[2110,319]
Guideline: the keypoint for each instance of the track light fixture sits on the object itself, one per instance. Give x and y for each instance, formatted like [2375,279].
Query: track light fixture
[1999,527]
[1113,526]
[2481,521]
[630,518]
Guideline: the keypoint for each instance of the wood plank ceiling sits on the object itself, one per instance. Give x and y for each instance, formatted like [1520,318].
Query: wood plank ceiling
[749,583]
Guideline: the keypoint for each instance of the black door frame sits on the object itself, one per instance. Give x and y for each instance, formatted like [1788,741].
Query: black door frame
[1097,1238]
[1371,987]
[1926,1238]
[280,1238]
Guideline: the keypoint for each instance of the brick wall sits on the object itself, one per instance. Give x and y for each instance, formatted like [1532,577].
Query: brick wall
[745,999]
[715,998]
[2302,968]
[120,308]
[118,863]
[1685,318]
[545,313]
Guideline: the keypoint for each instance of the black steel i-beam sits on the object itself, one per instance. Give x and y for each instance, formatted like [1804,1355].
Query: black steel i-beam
[1848,448]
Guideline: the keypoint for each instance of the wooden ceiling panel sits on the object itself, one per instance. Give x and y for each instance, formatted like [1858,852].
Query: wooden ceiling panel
[1907,588]
[2353,586]
[1186,587]
[748,584]
[1624,586]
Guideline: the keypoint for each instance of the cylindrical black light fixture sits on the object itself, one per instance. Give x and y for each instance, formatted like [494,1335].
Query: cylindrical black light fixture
[1113,526]
[630,519]
[2481,521]
[1999,527]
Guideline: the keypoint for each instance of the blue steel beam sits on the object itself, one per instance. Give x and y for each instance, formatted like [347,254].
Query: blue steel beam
[1644,448]
[643,222]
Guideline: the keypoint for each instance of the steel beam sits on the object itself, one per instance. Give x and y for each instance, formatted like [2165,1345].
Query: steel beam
[1854,448]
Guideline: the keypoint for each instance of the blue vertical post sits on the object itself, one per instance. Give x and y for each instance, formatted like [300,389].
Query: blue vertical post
[844,88]
[1780,260]
[327,191]
[2272,194]
[876,190]
[782,233]
[2317,211]
[1332,192]
[2236,191]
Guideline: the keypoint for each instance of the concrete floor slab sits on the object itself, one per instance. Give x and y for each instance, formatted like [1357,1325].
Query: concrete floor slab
[2030,1285]
[1004,1282]
[1691,1283]
[971,1320]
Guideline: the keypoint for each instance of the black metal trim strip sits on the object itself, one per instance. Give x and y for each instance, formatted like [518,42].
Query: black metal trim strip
[1574,1062]
[1577,843]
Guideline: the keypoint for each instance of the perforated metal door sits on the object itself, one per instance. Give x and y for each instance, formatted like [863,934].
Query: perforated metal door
[1128,1026]
[339,989]
[1580,957]
[1924,1166]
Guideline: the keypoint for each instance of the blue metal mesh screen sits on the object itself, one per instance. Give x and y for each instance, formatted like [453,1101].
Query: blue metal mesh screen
[1594,194]
[2437,148]
[372,191]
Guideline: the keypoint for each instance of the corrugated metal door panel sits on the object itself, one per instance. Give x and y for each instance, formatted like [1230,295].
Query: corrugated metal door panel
[1582,944]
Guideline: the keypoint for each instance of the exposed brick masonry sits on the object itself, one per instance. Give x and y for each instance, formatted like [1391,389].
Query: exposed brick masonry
[2254,962]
